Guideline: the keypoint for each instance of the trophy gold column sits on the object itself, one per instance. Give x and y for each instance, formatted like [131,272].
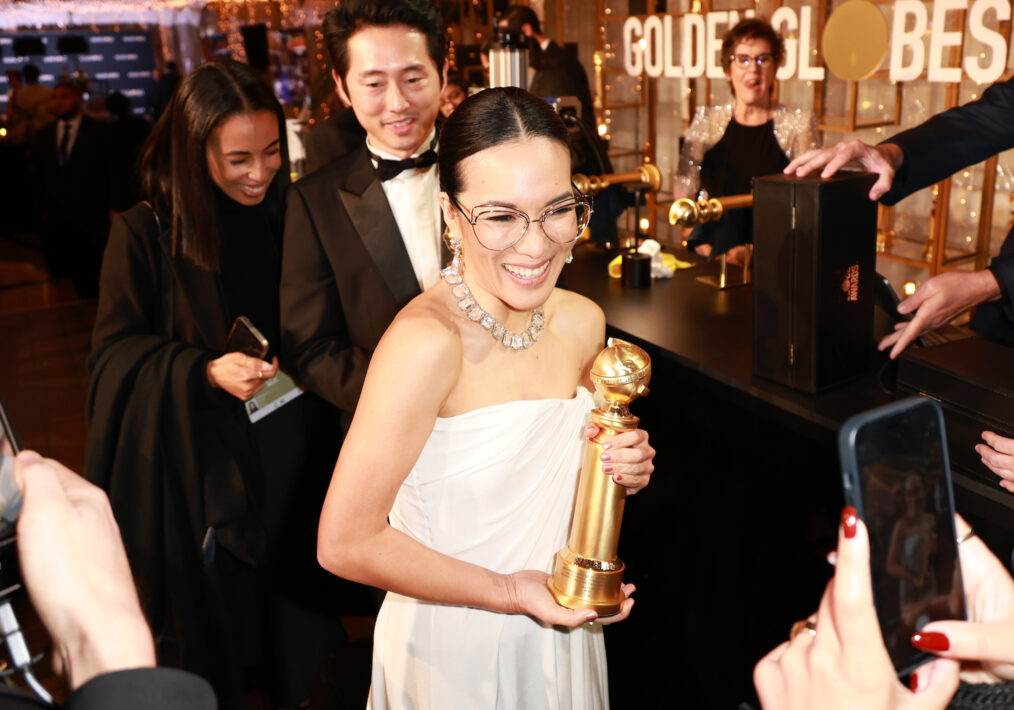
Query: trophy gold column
[587,573]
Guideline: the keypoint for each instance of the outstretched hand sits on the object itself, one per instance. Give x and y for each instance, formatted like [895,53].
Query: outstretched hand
[938,301]
[883,159]
[530,595]
[628,458]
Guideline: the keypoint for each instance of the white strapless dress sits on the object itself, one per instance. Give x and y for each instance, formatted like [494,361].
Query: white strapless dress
[495,487]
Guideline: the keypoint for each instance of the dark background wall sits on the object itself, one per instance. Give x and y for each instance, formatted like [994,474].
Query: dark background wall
[113,61]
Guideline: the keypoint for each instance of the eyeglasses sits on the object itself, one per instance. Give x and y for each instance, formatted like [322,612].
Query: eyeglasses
[498,228]
[745,60]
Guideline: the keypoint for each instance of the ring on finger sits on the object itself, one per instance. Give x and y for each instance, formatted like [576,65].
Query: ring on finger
[807,625]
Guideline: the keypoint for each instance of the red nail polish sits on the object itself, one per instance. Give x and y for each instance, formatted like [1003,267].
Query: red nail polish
[913,682]
[607,469]
[618,478]
[931,641]
[849,518]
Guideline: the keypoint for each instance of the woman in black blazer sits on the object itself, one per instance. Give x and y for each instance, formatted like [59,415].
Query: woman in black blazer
[217,513]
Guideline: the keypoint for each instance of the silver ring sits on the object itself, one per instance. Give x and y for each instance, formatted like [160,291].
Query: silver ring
[970,533]
[807,625]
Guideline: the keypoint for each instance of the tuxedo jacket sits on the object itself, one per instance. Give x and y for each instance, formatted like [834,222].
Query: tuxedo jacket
[332,139]
[78,192]
[952,140]
[345,275]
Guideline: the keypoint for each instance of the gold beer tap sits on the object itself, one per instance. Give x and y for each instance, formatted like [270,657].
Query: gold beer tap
[686,213]
[645,176]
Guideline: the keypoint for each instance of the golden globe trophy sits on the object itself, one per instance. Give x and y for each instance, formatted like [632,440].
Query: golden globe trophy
[587,573]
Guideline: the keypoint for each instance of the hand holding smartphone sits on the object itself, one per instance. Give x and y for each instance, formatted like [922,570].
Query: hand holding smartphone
[896,474]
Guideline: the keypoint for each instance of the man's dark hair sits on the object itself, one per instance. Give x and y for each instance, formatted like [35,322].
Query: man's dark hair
[748,29]
[341,22]
[490,118]
[174,165]
[31,73]
[517,15]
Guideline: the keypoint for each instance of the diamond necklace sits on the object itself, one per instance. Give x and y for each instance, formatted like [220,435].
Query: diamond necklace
[474,312]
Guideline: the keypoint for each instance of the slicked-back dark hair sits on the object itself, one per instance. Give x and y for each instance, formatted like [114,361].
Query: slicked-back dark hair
[490,118]
[174,166]
[341,22]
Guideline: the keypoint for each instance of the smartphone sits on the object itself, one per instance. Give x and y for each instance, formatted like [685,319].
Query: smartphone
[896,474]
[10,507]
[887,298]
[245,338]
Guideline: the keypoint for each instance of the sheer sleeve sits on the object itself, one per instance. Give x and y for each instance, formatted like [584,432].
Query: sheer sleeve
[687,181]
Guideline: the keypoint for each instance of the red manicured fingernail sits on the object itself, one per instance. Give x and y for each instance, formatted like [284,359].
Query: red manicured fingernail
[618,478]
[607,469]
[849,518]
[913,682]
[931,641]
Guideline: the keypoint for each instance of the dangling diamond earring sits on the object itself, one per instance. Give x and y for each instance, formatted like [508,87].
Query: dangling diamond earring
[570,258]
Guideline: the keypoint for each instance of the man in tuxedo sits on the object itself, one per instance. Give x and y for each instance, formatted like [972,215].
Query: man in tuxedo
[917,158]
[557,72]
[363,233]
[70,158]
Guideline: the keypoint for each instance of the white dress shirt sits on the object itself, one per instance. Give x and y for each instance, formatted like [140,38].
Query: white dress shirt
[414,198]
[75,124]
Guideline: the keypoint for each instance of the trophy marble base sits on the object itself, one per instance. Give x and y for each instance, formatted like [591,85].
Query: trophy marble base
[580,583]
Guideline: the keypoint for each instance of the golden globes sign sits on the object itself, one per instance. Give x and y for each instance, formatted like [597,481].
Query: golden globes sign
[855,36]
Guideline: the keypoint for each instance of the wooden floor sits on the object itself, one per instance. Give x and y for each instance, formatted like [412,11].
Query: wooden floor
[45,333]
[44,341]
[45,330]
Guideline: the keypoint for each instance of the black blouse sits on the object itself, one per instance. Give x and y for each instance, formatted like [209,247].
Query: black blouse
[250,266]
[729,168]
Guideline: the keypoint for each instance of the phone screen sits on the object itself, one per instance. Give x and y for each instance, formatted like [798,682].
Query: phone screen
[907,505]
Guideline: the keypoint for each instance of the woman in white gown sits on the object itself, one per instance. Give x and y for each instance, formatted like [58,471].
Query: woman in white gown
[455,484]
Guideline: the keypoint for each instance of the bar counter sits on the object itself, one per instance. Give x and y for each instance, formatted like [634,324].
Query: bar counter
[703,329]
[727,545]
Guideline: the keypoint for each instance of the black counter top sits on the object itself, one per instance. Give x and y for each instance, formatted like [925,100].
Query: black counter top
[710,331]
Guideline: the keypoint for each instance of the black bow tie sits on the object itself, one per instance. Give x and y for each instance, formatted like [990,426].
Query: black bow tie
[387,169]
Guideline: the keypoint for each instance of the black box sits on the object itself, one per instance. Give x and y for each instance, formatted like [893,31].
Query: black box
[973,379]
[814,265]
